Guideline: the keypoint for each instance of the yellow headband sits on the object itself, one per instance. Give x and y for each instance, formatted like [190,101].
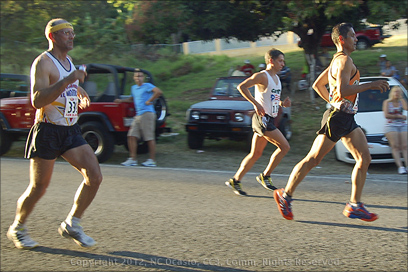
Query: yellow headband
[60,26]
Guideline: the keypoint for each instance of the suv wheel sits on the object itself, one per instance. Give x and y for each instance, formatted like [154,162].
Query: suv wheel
[195,140]
[100,140]
[5,142]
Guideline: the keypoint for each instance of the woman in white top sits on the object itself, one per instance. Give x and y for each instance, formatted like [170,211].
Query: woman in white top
[396,126]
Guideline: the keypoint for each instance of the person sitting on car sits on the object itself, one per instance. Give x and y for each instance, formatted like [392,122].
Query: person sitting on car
[390,70]
[248,68]
[381,62]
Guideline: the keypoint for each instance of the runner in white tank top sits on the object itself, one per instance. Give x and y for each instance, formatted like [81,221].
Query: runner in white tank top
[270,98]
[266,104]
[55,94]
[64,110]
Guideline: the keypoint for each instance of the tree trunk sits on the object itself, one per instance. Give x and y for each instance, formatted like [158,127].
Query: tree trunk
[311,61]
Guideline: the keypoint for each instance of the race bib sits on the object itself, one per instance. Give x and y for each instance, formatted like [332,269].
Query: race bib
[71,107]
[275,108]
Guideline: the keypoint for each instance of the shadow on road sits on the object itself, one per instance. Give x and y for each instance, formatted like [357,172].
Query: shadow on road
[122,259]
[402,229]
[343,203]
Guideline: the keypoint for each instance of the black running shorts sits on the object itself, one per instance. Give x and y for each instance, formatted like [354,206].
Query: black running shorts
[260,124]
[48,141]
[336,124]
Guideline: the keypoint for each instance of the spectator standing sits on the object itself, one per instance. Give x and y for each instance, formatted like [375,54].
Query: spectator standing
[285,77]
[144,123]
[248,68]
[396,126]
[404,81]
[324,58]
[261,67]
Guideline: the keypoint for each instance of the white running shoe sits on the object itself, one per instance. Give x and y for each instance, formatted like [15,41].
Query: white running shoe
[149,163]
[77,234]
[20,237]
[129,162]
[402,170]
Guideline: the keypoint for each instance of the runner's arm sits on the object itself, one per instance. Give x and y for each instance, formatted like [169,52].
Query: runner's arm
[84,97]
[343,70]
[244,86]
[42,91]
[320,85]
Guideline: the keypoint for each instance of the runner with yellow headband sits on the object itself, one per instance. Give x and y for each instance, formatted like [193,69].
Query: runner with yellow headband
[53,26]
[56,96]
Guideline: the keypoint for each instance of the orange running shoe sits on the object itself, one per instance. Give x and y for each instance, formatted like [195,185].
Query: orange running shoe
[284,204]
[359,212]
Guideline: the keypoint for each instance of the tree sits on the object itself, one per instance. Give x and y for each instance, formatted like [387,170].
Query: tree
[97,23]
[156,21]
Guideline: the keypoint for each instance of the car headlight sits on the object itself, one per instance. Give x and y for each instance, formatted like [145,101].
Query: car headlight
[239,117]
[195,115]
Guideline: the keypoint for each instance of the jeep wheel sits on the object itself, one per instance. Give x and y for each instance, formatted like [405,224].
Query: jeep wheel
[100,140]
[195,140]
[160,107]
[5,142]
[142,147]
[285,128]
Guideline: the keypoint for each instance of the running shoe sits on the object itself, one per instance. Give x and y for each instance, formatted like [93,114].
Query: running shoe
[402,170]
[235,185]
[129,162]
[359,212]
[149,163]
[77,234]
[20,237]
[284,204]
[266,182]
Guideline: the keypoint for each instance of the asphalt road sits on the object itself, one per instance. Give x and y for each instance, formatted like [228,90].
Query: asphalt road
[166,219]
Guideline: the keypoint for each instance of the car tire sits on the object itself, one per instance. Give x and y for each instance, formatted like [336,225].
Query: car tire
[100,140]
[286,128]
[362,44]
[5,142]
[195,140]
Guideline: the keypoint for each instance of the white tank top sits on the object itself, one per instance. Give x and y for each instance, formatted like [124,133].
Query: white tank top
[64,110]
[270,98]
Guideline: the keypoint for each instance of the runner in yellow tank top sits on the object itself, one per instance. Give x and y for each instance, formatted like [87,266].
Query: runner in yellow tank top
[337,123]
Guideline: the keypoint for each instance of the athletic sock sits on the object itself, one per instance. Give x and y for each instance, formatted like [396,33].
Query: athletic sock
[286,195]
[17,225]
[72,220]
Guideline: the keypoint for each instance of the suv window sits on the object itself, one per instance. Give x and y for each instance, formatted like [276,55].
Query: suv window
[229,88]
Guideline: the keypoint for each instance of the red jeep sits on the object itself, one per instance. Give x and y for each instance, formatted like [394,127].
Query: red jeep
[104,123]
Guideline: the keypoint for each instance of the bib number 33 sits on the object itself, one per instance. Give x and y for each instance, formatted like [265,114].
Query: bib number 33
[71,107]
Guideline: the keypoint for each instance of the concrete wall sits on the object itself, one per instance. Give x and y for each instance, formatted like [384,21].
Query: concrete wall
[286,42]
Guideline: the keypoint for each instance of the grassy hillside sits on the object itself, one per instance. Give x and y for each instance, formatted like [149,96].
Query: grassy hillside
[188,79]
